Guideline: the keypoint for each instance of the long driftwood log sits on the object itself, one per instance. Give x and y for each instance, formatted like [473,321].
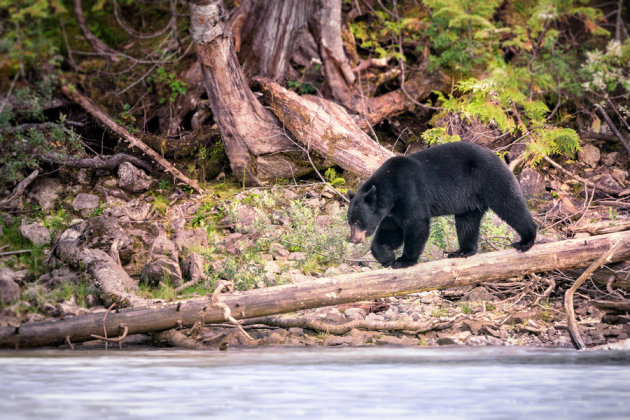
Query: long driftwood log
[440,274]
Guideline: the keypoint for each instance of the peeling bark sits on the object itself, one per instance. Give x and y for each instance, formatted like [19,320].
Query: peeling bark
[248,130]
[108,276]
[326,128]
[265,35]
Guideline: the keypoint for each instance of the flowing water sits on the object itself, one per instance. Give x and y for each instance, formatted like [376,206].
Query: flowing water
[320,383]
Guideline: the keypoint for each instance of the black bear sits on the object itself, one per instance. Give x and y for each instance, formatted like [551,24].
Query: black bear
[460,178]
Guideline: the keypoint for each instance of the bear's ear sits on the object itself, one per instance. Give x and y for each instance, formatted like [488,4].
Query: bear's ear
[350,195]
[371,195]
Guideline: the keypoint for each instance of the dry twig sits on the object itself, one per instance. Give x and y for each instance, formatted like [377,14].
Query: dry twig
[87,104]
[568,296]
[227,313]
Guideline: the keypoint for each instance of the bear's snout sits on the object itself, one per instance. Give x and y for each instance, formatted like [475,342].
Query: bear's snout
[357,235]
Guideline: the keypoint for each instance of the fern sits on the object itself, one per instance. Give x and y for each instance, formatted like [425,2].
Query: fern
[550,141]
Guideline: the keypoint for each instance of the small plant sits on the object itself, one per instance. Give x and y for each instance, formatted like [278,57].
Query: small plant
[439,313]
[161,204]
[300,87]
[332,178]
[175,87]
[57,221]
[466,308]
[99,209]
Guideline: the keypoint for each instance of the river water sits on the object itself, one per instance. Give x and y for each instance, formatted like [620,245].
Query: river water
[316,383]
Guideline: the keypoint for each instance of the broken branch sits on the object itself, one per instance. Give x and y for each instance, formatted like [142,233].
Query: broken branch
[568,296]
[87,104]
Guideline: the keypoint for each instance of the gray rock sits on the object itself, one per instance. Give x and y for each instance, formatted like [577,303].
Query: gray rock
[132,179]
[390,340]
[46,191]
[483,340]
[107,234]
[296,256]
[84,177]
[446,341]
[589,155]
[161,269]
[342,340]
[85,203]
[532,183]
[620,175]
[9,289]
[607,181]
[372,317]
[523,317]
[134,210]
[190,238]
[330,315]
[36,233]
[58,276]
[354,314]
[163,265]
[163,246]
[69,308]
[340,269]
[193,266]
[245,218]
[610,159]
[278,251]
[236,243]
[479,294]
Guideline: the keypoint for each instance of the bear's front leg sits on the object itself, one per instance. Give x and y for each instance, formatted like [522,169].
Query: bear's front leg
[388,238]
[416,236]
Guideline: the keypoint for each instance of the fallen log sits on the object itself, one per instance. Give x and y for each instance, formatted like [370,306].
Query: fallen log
[324,127]
[440,274]
[114,282]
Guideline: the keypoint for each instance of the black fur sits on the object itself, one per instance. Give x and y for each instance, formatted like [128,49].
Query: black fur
[398,200]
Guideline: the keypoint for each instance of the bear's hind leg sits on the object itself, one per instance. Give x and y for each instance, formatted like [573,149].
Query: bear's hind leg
[515,213]
[467,225]
[388,238]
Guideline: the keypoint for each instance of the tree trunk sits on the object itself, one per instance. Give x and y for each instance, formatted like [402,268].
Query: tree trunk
[265,35]
[325,24]
[326,128]
[271,34]
[254,142]
[442,274]
[108,275]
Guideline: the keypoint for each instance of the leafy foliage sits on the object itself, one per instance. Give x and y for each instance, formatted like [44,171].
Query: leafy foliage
[462,32]
[607,73]
[513,94]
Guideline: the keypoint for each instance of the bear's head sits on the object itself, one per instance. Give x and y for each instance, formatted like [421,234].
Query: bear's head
[364,213]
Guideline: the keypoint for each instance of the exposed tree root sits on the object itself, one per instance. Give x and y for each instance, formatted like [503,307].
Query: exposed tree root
[340,329]
[19,190]
[109,276]
[568,296]
[178,339]
[104,163]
